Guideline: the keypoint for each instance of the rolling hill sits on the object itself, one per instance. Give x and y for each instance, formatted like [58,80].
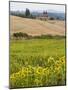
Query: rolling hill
[36,27]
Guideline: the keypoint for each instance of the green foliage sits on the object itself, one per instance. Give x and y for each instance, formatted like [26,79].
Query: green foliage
[30,76]
[20,35]
[37,62]
[27,12]
[52,18]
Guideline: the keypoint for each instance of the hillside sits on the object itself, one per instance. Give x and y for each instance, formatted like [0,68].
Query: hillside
[36,27]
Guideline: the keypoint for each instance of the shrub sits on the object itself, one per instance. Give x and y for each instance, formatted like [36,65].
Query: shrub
[20,35]
[52,18]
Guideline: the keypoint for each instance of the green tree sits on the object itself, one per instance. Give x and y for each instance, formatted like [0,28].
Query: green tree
[27,12]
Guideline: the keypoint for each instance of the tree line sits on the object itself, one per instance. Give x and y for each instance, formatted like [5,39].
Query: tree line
[27,14]
[20,35]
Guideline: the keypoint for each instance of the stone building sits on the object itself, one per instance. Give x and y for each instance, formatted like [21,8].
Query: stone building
[44,16]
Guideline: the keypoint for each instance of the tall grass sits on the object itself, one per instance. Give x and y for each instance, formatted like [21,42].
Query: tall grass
[37,62]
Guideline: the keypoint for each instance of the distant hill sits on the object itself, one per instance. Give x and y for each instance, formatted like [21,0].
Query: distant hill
[57,15]
[54,14]
[60,16]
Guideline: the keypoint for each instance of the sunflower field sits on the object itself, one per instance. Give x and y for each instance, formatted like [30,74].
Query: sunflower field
[37,62]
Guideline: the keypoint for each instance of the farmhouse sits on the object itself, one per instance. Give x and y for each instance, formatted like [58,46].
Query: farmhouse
[44,16]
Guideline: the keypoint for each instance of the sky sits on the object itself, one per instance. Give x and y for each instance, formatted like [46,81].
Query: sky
[20,6]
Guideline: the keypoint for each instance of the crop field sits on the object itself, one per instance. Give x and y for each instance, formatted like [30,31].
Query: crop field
[36,27]
[37,62]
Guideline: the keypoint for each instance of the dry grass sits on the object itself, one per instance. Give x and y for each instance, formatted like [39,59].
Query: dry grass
[36,27]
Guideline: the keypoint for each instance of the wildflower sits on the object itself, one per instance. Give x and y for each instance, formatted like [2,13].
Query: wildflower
[50,60]
[39,70]
[45,70]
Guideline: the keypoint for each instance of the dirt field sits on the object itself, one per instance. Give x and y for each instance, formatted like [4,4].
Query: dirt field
[36,27]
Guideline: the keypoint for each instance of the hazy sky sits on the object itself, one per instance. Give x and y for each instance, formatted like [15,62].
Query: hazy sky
[36,7]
